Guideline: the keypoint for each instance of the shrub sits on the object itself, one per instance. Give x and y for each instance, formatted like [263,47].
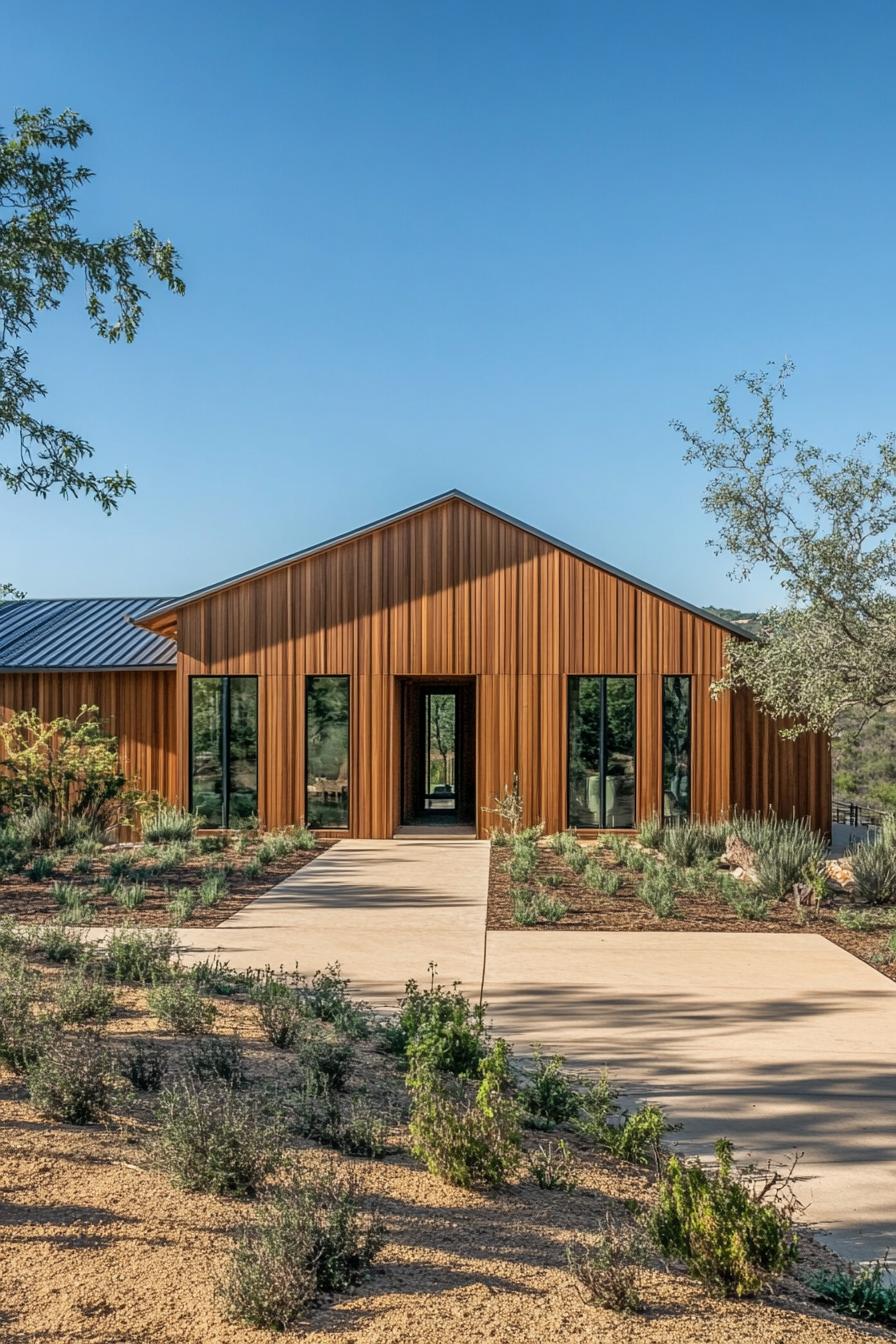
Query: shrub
[138,956]
[747,903]
[650,833]
[170,857]
[81,998]
[130,895]
[212,889]
[859,921]
[310,1238]
[553,1166]
[328,1063]
[57,941]
[82,866]
[143,1064]
[24,1033]
[120,865]
[62,773]
[161,823]
[326,998]
[253,870]
[867,1293]
[598,878]
[549,1096]
[217,1059]
[181,907]
[218,977]
[532,906]
[608,1271]
[786,852]
[32,827]
[658,892]
[499,838]
[637,1137]
[467,1141]
[213,844]
[576,857]
[729,1235]
[72,1079]
[41,867]
[356,1130]
[178,1005]
[874,871]
[216,1140]
[12,938]
[440,1026]
[302,838]
[281,1014]
[522,863]
[681,844]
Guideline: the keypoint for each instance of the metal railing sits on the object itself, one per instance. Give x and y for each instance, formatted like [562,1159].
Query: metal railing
[857,814]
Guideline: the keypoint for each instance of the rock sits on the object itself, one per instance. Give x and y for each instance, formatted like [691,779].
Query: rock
[740,858]
[839,874]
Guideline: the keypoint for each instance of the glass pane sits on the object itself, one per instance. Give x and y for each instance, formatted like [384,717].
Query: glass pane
[327,749]
[242,799]
[619,784]
[676,748]
[207,750]
[584,751]
[440,752]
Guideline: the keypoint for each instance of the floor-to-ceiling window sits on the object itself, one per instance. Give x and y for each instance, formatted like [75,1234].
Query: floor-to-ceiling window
[223,749]
[676,748]
[601,769]
[326,752]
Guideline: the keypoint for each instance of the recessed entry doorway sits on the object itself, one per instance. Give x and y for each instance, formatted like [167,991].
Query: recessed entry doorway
[438,758]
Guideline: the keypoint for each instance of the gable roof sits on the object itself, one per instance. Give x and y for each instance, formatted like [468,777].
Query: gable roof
[169,605]
[63,634]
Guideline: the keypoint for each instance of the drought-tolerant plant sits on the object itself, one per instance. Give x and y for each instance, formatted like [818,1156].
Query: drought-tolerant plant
[357,1130]
[549,1096]
[657,889]
[72,1079]
[601,879]
[120,865]
[636,859]
[281,1013]
[57,941]
[214,976]
[522,863]
[253,870]
[439,1025]
[466,1139]
[553,1166]
[874,872]
[867,1293]
[608,1271]
[216,1140]
[747,903]
[64,893]
[24,1032]
[217,1059]
[181,907]
[79,997]
[171,856]
[138,956]
[178,1004]
[639,1135]
[12,938]
[533,906]
[681,844]
[130,895]
[41,867]
[858,921]
[143,1064]
[31,827]
[732,1234]
[328,1064]
[212,889]
[787,850]
[82,866]
[213,844]
[162,823]
[650,832]
[312,1236]
[509,807]
[327,998]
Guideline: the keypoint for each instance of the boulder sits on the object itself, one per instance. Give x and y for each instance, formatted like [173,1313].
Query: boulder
[740,858]
[839,874]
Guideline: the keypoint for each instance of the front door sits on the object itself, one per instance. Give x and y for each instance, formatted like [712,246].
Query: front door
[438,785]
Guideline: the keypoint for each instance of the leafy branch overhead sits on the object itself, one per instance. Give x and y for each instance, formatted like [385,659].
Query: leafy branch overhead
[824,525]
[41,251]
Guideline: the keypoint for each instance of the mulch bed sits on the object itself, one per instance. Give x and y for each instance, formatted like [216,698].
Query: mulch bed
[32,902]
[702,913]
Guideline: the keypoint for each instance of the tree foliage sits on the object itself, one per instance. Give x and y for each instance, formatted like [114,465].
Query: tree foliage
[824,525]
[41,251]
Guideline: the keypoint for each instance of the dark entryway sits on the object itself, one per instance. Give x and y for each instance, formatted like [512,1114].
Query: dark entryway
[438,783]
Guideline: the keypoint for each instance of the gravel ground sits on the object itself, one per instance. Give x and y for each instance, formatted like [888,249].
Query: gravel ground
[98,1246]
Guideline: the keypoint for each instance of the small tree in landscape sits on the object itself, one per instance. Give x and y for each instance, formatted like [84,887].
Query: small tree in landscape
[41,251]
[824,524]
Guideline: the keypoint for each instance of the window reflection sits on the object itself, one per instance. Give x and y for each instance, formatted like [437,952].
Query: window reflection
[601,776]
[676,748]
[327,752]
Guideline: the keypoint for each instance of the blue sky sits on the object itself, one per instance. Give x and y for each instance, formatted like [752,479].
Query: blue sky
[495,246]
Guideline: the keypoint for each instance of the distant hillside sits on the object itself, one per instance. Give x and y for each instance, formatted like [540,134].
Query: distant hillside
[750,619]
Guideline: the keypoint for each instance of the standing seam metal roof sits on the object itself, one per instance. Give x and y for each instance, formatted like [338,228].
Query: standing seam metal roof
[47,634]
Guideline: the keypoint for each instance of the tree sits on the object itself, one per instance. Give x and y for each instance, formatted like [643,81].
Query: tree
[824,524]
[41,251]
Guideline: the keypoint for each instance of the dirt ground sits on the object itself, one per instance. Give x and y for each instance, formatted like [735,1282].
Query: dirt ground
[97,1245]
[702,912]
[33,902]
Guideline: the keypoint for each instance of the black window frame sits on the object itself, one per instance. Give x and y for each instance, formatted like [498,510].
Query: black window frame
[330,676]
[680,816]
[225,680]
[603,678]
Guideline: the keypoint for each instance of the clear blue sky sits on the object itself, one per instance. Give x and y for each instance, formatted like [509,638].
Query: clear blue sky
[494,245]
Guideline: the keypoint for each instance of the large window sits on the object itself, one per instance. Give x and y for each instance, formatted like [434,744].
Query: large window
[676,748]
[601,778]
[223,749]
[326,751]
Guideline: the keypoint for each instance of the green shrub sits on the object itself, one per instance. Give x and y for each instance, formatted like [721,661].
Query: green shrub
[170,857]
[212,889]
[786,851]
[657,889]
[143,1064]
[522,864]
[747,903]
[303,839]
[138,956]
[326,998]
[328,1063]
[440,1026]
[82,866]
[467,1140]
[130,895]
[65,894]
[281,1013]
[253,870]
[729,1235]
[650,832]
[13,939]
[608,1271]
[163,824]
[577,858]
[72,1079]
[57,941]
[638,1136]
[81,998]
[601,879]
[217,1059]
[214,976]
[357,1130]
[549,1096]
[120,865]
[859,921]
[499,838]
[216,1140]
[213,844]
[636,859]
[874,871]
[24,1031]
[553,1166]
[181,907]
[681,844]
[41,867]
[867,1293]
[179,1006]
[312,1237]
[533,906]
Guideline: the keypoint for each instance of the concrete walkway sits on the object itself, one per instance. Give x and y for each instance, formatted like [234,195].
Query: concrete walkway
[781,1042]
